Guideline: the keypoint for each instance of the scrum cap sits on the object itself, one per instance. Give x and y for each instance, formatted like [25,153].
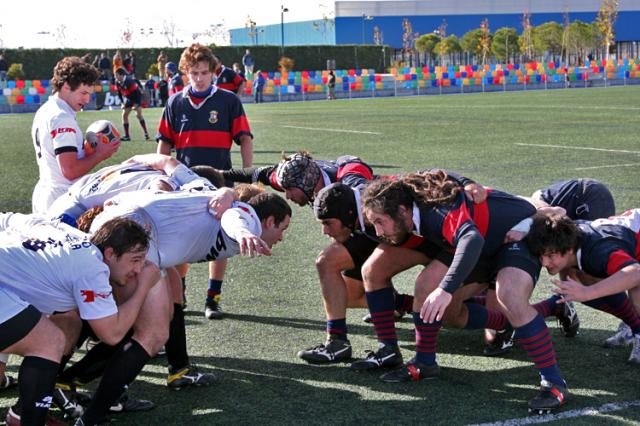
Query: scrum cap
[299,171]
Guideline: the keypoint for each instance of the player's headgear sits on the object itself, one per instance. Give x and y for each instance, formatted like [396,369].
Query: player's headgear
[298,171]
[337,201]
[171,67]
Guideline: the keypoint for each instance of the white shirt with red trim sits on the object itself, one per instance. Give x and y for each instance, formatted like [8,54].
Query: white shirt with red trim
[54,267]
[55,130]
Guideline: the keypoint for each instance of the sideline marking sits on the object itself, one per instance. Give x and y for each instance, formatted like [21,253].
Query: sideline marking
[607,166]
[586,148]
[587,411]
[333,130]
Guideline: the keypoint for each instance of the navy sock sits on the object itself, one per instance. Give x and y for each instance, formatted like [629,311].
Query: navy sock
[481,317]
[215,288]
[536,341]
[619,306]
[126,129]
[548,307]
[426,339]
[144,126]
[381,308]
[337,328]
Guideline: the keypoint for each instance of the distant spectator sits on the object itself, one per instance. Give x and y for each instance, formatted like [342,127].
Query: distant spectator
[150,89]
[4,67]
[228,79]
[331,86]
[162,62]
[248,62]
[258,86]
[238,70]
[117,61]
[130,64]
[104,65]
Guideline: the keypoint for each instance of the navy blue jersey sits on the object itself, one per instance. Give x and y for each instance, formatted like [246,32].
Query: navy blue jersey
[445,225]
[202,130]
[228,79]
[585,199]
[608,245]
[176,84]
[128,88]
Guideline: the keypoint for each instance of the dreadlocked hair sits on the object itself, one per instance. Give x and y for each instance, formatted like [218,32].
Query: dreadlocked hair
[86,219]
[303,153]
[432,188]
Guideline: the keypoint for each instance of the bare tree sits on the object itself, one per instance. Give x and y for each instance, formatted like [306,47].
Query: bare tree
[61,35]
[485,39]
[607,16]
[526,39]
[566,22]
[169,29]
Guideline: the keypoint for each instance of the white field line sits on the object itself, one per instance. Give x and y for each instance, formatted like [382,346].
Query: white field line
[582,412]
[585,148]
[333,130]
[607,166]
[532,107]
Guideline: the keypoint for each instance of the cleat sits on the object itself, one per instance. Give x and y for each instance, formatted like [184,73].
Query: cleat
[332,351]
[125,139]
[502,343]
[124,404]
[146,137]
[397,316]
[413,371]
[634,357]
[568,320]
[13,419]
[623,337]
[213,310]
[550,398]
[385,357]
[66,399]
[189,376]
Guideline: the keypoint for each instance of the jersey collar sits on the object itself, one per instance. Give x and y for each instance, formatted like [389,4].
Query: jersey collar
[185,94]
[63,105]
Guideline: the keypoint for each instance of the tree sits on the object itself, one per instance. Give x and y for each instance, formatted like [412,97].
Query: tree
[448,46]
[470,42]
[505,43]
[485,39]
[526,38]
[548,38]
[582,37]
[605,21]
[427,44]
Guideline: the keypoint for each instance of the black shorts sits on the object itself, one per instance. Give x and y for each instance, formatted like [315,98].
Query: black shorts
[17,327]
[133,100]
[514,255]
[360,248]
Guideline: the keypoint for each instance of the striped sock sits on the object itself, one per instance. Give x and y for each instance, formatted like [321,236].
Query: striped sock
[337,328]
[548,307]
[426,339]
[215,288]
[619,306]
[536,341]
[481,317]
[381,308]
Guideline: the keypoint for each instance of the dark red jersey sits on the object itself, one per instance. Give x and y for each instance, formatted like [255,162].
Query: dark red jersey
[128,88]
[175,84]
[228,79]
[202,132]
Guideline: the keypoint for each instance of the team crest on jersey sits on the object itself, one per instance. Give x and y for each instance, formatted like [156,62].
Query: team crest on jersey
[91,295]
[213,117]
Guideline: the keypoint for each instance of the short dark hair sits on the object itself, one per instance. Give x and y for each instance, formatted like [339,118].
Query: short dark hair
[122,235]
[121,71]
[270,204]
[555,234]
[73,71]
[211,174]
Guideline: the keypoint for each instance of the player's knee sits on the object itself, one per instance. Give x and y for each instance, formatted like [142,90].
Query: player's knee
[325,262]
[50,341]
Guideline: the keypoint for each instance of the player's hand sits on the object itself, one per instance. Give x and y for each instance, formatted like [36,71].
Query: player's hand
[514,236]
[221,201]
[434,306]
[106,150]
[476,192]
[149,275]
[570,290]
[251,245]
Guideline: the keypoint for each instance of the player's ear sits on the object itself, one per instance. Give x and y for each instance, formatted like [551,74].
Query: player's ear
[109,255]
[270,222]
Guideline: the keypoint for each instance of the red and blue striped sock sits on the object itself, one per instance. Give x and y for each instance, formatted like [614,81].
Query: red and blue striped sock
[337,328]
[215,288]
[481,317]
[426,339]
[536,341]
[381,308]
[548,307]
[619,306]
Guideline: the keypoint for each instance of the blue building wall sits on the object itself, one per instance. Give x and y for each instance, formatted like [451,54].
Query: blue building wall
[349,29]
[306,33]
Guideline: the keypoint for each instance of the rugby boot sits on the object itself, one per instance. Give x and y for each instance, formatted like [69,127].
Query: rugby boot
[385,357]
[397,316]
[550,398]
[634,357]
[331,351]
[502,343]
[568,320]
[13,419]
[412,371]
[623,337]
[213,310]
[124,404]
[65,397]
[189,376]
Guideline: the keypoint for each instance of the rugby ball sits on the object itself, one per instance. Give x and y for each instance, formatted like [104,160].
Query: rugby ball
[99,131]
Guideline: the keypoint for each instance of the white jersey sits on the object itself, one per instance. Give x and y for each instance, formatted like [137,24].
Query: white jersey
[94,189]
[181,227]
[53,267]
[55,130]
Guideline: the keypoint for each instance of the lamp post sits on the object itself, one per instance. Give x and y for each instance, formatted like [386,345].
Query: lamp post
[365,17]
[282,11]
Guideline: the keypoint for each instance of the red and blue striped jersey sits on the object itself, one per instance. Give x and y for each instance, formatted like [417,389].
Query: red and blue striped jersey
[228,79]
[128,87]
